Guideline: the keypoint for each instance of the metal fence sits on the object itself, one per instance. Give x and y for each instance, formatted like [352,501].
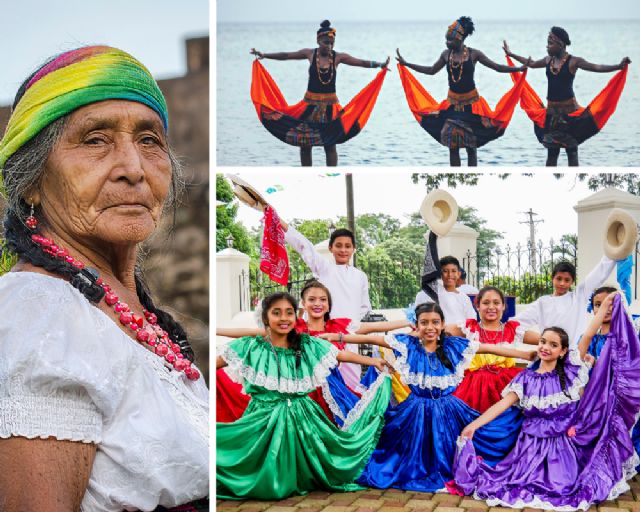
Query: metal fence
[522,270]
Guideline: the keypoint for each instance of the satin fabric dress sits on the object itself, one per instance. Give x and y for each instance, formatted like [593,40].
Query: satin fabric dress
[547,468]
[334,396]
[595,348]
[488,374]
[417,444]
[284,444]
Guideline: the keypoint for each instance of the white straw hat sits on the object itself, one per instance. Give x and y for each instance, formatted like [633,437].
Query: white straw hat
[246,193]
[620,235]
[440,211]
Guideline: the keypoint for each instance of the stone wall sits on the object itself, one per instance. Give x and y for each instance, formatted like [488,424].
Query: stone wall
[176,262]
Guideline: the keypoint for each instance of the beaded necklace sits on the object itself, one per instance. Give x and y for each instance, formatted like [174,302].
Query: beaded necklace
[498,337]
[457,65]
[556,71]
[149,333]
[321,72]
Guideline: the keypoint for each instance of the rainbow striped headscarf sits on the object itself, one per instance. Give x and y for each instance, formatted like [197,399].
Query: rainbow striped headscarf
[74,79]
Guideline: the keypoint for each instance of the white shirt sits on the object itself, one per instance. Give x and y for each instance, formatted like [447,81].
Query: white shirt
[456,306]
[349,288]
[568,311]
[68,371]
[468,289]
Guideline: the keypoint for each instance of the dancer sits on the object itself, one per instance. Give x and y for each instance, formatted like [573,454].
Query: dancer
[284,444]
[334,396]
[563,123]
[464,119]
[318,120]
[565,308]
[487,375]
[417,445]
[572,452]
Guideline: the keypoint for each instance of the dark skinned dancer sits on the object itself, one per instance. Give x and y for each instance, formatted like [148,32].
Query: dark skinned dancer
[561,68]
[321,90]
[460,62]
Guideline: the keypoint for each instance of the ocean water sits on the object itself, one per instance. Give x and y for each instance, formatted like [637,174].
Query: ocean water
[392,137]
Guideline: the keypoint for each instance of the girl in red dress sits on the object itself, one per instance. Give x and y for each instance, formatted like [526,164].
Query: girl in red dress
[487,375]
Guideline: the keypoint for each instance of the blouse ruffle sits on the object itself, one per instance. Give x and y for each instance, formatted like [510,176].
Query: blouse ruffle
[251,359]
[423,369]
[543,390]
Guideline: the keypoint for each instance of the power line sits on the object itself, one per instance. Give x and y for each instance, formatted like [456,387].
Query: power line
[532,236]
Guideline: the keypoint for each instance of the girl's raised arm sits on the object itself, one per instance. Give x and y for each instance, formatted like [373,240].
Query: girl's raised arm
[355,338]
[490,414]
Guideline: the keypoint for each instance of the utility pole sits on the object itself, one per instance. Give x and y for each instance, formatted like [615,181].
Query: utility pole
[351,223]
[532,236]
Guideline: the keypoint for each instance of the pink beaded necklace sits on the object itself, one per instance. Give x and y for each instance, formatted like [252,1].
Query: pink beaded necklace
[150,333]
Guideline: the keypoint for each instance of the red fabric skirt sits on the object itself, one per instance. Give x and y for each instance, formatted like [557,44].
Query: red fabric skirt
[482,388]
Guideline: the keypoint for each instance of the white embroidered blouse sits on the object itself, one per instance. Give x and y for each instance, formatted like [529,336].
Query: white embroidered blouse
[68,371]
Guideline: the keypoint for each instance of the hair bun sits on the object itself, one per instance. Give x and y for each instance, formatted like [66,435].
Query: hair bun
[325,24]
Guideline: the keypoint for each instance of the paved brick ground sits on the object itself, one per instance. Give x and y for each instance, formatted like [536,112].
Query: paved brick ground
[393,500]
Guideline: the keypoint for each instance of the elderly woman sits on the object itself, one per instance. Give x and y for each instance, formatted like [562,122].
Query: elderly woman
[101,407]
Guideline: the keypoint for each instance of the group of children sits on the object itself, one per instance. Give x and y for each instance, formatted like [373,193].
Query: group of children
[445,408]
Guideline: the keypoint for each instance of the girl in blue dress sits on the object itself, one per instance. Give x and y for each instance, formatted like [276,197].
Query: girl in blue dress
[418,442]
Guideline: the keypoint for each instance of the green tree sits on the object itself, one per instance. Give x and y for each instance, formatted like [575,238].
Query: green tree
[628,182]
[225,220]
[487,238]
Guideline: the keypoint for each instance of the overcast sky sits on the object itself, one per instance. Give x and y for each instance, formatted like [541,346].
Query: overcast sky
[295,194]
[151,30]
[416,10]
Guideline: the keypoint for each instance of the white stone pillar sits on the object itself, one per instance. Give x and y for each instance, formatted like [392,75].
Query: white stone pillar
[592,216]
[459,242]
[232,284]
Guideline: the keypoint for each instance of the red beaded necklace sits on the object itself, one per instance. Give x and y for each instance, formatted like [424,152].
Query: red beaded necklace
[150,333]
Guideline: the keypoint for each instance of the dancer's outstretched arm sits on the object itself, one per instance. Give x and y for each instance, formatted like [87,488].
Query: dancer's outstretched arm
[581,63]
[390,325]
[345,58]
[501,350]
[522,60]
[345,356]
[500,68]
[356,338]
[489,415]
[427,70]
[239,332]
[305,53]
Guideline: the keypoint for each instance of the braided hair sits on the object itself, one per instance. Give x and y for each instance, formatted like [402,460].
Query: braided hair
[564,341]
[467,25]
[294,339]
[22,173]
[432,307]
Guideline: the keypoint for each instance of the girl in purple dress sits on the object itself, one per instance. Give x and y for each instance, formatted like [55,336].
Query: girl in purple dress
[574,449]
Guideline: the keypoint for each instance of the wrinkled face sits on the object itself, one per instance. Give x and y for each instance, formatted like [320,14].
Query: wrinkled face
[550,346]
[316,302]
[491,306]
[342,249]
[450,276]
[281,317]
[597,302]
[325,43]
[554,45]
[429,326]
[562,283]
[107,178]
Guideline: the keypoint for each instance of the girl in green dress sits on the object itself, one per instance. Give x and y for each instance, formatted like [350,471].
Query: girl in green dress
[284,444]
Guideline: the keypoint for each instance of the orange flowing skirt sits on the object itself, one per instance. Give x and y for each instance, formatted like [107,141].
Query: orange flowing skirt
[317,120]
[560,128]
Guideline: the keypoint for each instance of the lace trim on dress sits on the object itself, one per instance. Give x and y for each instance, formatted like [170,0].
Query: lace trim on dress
[555,399]
[238,372]
[367,397]
[331,402]
[423,380]
[534,503]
